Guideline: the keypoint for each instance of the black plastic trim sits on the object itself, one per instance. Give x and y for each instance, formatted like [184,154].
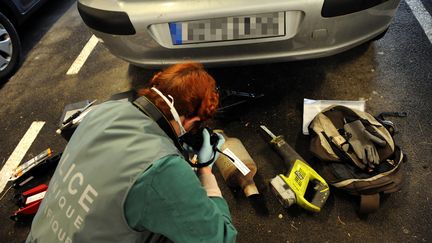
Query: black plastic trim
[16,12]
[333,8]
[110,22]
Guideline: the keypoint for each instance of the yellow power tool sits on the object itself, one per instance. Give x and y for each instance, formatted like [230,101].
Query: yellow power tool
[302,184]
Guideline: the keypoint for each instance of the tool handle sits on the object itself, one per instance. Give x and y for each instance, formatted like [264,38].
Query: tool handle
[288,154]
[321,195]
[64,127]
[73,116]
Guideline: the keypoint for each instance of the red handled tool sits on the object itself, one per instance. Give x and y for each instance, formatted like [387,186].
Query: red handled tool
[29,202]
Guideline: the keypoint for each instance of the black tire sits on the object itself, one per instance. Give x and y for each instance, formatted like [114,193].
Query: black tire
[13,58]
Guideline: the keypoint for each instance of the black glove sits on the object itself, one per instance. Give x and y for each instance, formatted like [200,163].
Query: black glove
[362,141]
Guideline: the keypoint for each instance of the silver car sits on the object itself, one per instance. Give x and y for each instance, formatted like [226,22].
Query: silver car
[154,33]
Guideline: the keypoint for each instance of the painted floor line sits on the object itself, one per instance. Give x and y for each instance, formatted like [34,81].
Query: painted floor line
[18,154]
[82,57]
[422,16]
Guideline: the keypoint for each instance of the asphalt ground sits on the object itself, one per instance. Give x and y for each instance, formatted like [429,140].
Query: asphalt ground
[392,74]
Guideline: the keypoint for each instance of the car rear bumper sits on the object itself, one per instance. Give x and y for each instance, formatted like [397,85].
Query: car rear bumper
[307,33]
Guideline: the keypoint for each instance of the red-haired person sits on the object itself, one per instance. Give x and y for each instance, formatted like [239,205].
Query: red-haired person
[123,177]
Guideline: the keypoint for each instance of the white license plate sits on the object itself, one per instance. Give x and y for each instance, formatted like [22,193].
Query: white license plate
[228,28]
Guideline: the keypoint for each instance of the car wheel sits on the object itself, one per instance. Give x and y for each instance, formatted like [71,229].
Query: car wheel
[10,48]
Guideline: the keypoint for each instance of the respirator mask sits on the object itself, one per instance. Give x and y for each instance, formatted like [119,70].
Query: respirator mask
[191,141]
[172,109]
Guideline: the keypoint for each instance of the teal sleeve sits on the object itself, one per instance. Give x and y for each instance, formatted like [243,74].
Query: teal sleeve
[168,199]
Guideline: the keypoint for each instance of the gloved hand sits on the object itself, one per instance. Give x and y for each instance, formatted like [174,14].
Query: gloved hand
[207,151]
[361,141]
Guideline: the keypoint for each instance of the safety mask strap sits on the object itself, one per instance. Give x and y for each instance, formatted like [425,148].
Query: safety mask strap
[172,109]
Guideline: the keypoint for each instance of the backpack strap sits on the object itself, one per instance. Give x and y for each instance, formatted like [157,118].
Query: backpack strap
[150,109]
[328,138]
[369,203]
[338,144]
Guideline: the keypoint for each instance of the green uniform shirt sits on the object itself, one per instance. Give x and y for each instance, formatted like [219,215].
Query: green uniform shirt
[168,199]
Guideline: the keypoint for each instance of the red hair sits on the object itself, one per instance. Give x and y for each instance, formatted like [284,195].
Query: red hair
[193,90]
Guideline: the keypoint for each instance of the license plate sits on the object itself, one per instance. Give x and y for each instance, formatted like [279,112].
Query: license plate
[228,28]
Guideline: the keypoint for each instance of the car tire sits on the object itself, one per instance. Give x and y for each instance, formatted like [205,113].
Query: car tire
[10,48]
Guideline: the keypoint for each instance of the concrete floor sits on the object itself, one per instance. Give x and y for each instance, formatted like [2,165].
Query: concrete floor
[393,74]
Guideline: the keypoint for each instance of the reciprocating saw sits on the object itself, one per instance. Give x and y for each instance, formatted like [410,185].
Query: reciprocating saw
[302,184]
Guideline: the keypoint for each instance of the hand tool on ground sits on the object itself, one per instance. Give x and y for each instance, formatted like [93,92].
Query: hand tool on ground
[302,184]
[29,202]
[27,166]
[77,113]
[230,99]
[70,120]
[37,166]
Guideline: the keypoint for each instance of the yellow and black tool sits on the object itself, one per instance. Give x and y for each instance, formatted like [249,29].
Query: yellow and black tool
[302,184]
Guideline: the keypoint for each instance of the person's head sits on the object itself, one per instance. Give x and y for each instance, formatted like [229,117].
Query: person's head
[191,87]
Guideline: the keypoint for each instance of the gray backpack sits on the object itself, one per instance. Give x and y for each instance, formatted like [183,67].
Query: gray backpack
[332,142]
